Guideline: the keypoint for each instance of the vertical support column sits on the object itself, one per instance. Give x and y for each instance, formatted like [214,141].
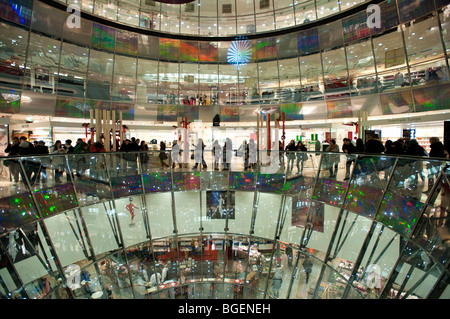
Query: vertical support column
[108,131]
[258,120]
[362,118]
[268,132]
[91,124]
[114,127]
[97,125]
[104,125]
[121,127]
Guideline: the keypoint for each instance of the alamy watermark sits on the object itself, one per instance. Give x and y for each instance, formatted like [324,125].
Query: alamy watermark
[73,20]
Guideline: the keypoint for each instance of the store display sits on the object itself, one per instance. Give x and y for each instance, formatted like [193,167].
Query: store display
[220,204]
[308,214]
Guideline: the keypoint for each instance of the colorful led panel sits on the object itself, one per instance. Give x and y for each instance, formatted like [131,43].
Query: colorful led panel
[266,49]
[103,37]
[15,211]
[292,111]
[432,98]
[270,183]
[329,191]
[169,49]
[189,111]
[399,212]
[18,11]
[308,41]
[396,102]
[242,181]
[186,181]
[189,51]
[239,53]
[157,182]
[56,199]
[208,51]
[70,107]
[411,9]
[167,113]
[127,110]
[297,184]
[10,101]
[126,185]
[389,17]
[126,42]
[229,113]
[93,187]
[363,199]
[339,108]
[355,27]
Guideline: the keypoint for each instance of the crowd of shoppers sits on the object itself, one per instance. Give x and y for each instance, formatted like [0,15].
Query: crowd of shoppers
[294,153]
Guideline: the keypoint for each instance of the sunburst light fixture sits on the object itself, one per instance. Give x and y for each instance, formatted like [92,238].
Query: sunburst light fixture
[240,52]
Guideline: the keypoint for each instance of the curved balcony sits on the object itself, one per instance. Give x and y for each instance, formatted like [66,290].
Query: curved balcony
[130,225]
[214,18]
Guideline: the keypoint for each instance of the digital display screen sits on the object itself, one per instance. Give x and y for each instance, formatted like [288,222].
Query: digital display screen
[271,183]
[157,182]
[399,212]
[229,113]
[71,107]
[189,51]
[330,35]
[308,41]
[167,113]
[16,211]
[389,17]
[126,42]
[432,98]
[56,199]
[103,37]
[127,110]
[169,49]
[186,181]
[266,49]
[297,184]
[329,191]
[189,111]
[10,101]
[208,51]
[411,9]
[339,108]
[18,11]
[126,185]
[242,181]
[292,111]
[396,102]
[355,27]
[363,199]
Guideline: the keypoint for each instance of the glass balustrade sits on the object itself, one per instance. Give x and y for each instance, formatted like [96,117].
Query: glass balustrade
[267,225]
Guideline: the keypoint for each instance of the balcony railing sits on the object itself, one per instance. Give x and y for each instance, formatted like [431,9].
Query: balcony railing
[101,224]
